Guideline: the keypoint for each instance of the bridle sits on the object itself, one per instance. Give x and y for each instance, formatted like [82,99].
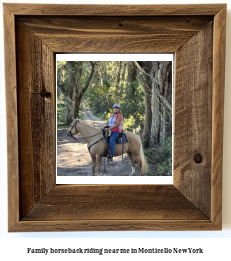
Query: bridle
[69,134]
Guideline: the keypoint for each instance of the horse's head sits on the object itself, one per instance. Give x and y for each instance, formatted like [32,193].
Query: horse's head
[73,128]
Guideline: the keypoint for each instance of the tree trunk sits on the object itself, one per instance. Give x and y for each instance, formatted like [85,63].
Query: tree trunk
[76,82]
[70,95]
[156,78]
[155,127]
[131,77]
[146,79]
[148,118]
[77,88]
[166,99]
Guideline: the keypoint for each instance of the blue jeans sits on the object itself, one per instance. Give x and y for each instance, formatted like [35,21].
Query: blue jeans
[113,137]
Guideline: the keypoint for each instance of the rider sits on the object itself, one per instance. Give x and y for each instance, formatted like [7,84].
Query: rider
[115,124]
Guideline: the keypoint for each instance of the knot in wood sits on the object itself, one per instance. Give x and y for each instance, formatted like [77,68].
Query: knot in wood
[198,158]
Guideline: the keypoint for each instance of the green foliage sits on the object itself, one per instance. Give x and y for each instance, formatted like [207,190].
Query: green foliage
[98,98]
[161,157]
[165,167]
[63,126]
[62,78]
[101,96]
[133,106]
[61,110]
[129,123]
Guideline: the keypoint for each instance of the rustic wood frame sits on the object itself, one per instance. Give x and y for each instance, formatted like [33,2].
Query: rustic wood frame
[33,34]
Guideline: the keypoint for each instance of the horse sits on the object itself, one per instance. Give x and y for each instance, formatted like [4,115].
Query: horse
[97,146]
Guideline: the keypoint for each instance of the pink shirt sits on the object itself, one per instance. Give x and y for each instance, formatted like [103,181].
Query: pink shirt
[113,120]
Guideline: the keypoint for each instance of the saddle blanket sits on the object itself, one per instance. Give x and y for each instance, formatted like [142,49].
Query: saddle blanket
[122,140]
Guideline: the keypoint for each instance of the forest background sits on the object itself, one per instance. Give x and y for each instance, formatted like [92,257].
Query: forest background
[142,88]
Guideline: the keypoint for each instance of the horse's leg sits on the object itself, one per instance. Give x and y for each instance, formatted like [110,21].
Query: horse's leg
[132,162]
[99,162]
[93,159]
[139,162]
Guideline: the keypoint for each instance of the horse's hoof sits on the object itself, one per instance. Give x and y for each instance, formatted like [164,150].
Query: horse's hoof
[133,171]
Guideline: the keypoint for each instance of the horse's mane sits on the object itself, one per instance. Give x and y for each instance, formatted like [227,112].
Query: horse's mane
[88,125]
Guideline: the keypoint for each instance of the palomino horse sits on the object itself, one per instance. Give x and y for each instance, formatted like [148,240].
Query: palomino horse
[97,146]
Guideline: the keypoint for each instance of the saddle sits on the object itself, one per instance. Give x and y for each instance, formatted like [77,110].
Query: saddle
[121,139]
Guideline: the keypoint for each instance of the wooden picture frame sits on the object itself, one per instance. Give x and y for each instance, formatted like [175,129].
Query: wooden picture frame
[33,34]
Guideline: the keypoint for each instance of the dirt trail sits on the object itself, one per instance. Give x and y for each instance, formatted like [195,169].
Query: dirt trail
[73,159]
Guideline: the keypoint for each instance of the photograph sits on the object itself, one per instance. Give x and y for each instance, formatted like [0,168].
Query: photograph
[114,118]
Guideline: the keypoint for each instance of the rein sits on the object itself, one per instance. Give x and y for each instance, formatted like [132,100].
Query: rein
[71,136]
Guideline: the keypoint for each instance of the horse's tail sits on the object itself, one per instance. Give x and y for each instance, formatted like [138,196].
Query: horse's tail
[144,164]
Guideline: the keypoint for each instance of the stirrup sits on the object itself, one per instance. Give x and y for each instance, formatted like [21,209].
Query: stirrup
[109,156]
[108,153]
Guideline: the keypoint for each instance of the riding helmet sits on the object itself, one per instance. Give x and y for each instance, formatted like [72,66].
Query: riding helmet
[116,105]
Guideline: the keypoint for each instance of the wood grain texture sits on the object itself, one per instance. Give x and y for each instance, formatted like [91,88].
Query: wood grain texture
[114,34]
[111,207]
[193,103]
[114,202]
[115,10]
[194,201]
[35,67]
[218,114]
[12,120]
[114,225]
